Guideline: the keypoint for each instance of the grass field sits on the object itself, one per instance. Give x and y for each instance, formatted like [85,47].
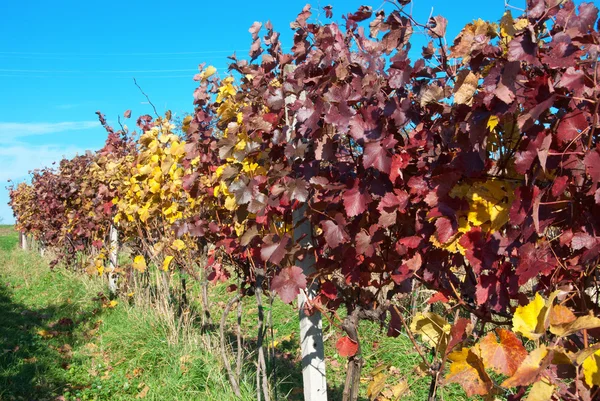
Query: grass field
[62,339]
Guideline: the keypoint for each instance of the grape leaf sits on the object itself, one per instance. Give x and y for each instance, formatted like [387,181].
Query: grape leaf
[503,356]
[467,369]
[432,328]
[530,369]
[571,125]
[346,347]
[356,200]
[591,369]
[274,249]
[541,391]
[529,320]
[334,233]
[288,283]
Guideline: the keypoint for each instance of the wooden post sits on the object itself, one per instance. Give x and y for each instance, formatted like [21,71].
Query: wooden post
[311,327]
[23,237]
[113,258]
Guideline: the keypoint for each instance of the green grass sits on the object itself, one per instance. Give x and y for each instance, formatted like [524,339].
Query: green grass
[59,336]
[9,238]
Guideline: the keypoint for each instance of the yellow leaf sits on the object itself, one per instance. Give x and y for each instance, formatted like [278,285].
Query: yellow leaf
[507,29]
[591,369]
[376,385]
[112,304]
[230,203]
[492,123]
[432,328]
[529,320]
[208,72]
[139,264]
[167,262]
[178,245]
[541,391]
[399,389]
[467,369]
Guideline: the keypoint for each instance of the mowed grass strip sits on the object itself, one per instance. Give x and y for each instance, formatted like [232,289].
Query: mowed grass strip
[62,338]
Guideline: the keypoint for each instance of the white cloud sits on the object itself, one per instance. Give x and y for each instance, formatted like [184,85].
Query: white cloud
[10,131]
[18,160]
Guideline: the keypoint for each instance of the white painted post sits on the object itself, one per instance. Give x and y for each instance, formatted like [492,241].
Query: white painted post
[311,327]
[112,258]
[23,241]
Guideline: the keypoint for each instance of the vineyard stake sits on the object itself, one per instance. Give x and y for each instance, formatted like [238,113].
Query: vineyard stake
[112,258]
[23,241]
[311,327]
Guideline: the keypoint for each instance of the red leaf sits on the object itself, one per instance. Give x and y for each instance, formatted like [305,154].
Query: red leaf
[571,125]
[583,240]
[356,200]
[288,283]
[346,347]
[399,162]
[559,185]
[543,151]
[522,48]
[592,165]
[534,261]
[127,114]
[502,356]
[328,290]
[376,155]
[437,297]
[481,252]
[364,244]
[334,232]
[274,251]
[444,229]
[458,333]
[392,202]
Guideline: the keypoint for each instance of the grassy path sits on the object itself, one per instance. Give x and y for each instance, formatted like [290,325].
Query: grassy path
[59,340]
[62,339]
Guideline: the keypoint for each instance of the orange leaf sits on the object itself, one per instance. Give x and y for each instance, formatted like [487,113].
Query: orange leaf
[467,370]
[529,371]
[560,314]
[505,356]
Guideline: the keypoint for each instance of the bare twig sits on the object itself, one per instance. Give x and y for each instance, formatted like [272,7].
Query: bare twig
[147,98]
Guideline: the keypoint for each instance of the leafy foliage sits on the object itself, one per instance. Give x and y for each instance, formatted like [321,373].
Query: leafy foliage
[472,170]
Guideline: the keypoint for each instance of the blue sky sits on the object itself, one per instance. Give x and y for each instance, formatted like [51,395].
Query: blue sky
[61,61]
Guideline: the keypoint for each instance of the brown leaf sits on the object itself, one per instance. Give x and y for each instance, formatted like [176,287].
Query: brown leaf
[582,323]
[466,85]
[144,392]
[376,385]
[560,314]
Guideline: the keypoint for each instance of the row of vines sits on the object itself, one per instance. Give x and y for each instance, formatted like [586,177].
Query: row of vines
[472,170]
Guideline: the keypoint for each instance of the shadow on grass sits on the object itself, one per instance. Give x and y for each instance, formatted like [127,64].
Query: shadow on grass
[285,369]
[35,348]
